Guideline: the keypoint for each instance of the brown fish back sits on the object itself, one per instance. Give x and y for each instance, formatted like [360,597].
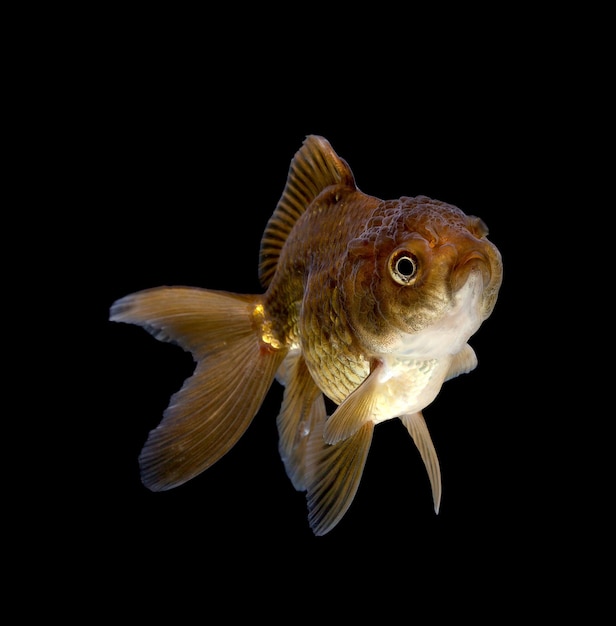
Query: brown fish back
[314,167]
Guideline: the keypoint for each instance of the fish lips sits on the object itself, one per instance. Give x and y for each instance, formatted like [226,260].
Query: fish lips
[479,263]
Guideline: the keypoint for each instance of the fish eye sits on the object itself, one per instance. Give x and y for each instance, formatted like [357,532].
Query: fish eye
[403,267]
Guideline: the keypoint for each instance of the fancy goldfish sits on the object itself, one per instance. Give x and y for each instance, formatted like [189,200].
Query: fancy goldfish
[367,302]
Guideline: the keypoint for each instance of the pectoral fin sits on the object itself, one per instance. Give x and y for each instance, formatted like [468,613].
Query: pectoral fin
[330,474]
[416,425]
[333,473]
[463,362]
[354,412]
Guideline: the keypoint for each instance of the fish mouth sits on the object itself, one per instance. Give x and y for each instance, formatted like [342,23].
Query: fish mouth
[473,263]
[483,268]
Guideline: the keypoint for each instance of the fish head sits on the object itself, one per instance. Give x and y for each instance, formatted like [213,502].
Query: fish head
[423,277]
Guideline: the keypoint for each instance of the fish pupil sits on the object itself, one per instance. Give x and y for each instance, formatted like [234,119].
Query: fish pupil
[405,267]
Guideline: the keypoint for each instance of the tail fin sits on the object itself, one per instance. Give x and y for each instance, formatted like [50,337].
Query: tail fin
[235,368]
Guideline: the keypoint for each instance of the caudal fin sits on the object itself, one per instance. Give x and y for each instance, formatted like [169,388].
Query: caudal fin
[235,368]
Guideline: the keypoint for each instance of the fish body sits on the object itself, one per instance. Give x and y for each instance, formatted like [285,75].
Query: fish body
[367,302]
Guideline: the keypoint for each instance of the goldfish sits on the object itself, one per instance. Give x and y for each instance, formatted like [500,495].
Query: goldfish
[367,303]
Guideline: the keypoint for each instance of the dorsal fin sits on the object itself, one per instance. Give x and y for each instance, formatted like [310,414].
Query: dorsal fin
[314,167]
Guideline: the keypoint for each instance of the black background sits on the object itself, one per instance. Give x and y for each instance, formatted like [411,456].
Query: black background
[182,150]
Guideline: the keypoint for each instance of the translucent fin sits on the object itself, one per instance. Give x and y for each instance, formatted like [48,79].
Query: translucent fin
[416,425]
[333,474]
[302,406]
[462,363]
[353,412]
[234,371]
[314,167]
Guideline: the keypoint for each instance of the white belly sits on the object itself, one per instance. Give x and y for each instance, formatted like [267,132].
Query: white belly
[412,377]
[408,385]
